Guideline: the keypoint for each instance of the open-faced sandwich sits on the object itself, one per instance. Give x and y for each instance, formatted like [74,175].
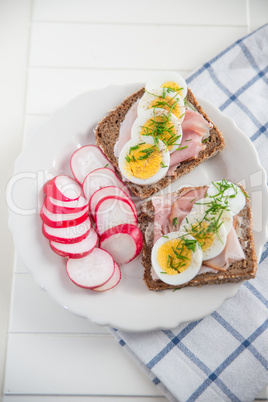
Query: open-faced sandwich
[157,135]
[198,236]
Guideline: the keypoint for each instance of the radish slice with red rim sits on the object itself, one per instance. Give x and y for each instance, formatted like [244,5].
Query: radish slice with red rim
[76,250]
[106,192]
[71,234]
[91,271]
[86,159]
[62,220]
[123,242]
[112,211]
[100,178]
[115,279]
[57,206]
[63,188]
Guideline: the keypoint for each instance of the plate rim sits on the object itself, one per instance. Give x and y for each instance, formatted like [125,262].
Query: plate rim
[204,103]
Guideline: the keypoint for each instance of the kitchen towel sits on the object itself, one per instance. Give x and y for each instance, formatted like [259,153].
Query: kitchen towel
[225,355]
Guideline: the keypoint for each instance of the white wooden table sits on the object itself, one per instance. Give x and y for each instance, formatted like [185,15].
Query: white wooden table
[52,50]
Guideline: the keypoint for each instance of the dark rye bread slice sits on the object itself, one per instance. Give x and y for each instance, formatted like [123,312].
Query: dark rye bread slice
[107,133]
[236,272]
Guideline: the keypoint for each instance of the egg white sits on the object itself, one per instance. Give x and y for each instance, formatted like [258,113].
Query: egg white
[182,277]
[233,195]
[149,97]
[158,175]
[219,239]
[150,114]
[202,205]
[159,79]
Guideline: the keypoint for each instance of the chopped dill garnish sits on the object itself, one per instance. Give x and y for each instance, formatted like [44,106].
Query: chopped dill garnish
[160,130]
[147,152]
[133,148]
[186,103]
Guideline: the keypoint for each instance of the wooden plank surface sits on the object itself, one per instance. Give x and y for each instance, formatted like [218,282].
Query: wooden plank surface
[76,46]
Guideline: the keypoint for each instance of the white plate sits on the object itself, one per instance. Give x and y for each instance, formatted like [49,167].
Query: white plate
[130,306]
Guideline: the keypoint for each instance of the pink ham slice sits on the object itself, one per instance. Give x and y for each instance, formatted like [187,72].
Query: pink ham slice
[194,128]
[195,122]
[232,252]
[184,204]
[125,128]
[169,207]
[162,208]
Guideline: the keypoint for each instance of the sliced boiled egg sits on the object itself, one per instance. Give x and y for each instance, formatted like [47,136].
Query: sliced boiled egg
[159,124]
[168,80]
[176,258]
[210,208]
[228,193]
[163,98]
[210,234]
[144,161]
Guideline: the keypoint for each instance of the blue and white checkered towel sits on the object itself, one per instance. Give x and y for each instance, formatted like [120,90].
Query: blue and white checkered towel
[225,355]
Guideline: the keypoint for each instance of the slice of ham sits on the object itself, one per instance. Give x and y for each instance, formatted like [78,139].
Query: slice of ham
[173,206]
[184,204]
[232,252]
[195,129]
[195,122]
[125,128]
[162,207]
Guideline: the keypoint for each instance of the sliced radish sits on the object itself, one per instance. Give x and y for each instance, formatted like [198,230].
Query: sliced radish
[71,234]
[91,271]
[57,206]
[76,250]
[112,211]
[115,279]
[123,242]
[63,188]
[100,178]
[86,159]
[62,220]
[106,192]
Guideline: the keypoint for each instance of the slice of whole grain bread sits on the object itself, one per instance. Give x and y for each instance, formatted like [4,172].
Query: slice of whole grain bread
[107,133]
[236,272]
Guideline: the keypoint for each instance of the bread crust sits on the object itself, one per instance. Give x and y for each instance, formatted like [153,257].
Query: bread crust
[236,272]
[107,133]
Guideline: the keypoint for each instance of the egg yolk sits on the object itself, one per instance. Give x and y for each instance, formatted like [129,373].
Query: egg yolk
[168,104]
[162,128]
[172,85]
[174,257]
[204,237]
[143,161]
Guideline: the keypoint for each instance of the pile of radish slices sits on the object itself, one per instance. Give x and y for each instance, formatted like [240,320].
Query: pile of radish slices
[91,220]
